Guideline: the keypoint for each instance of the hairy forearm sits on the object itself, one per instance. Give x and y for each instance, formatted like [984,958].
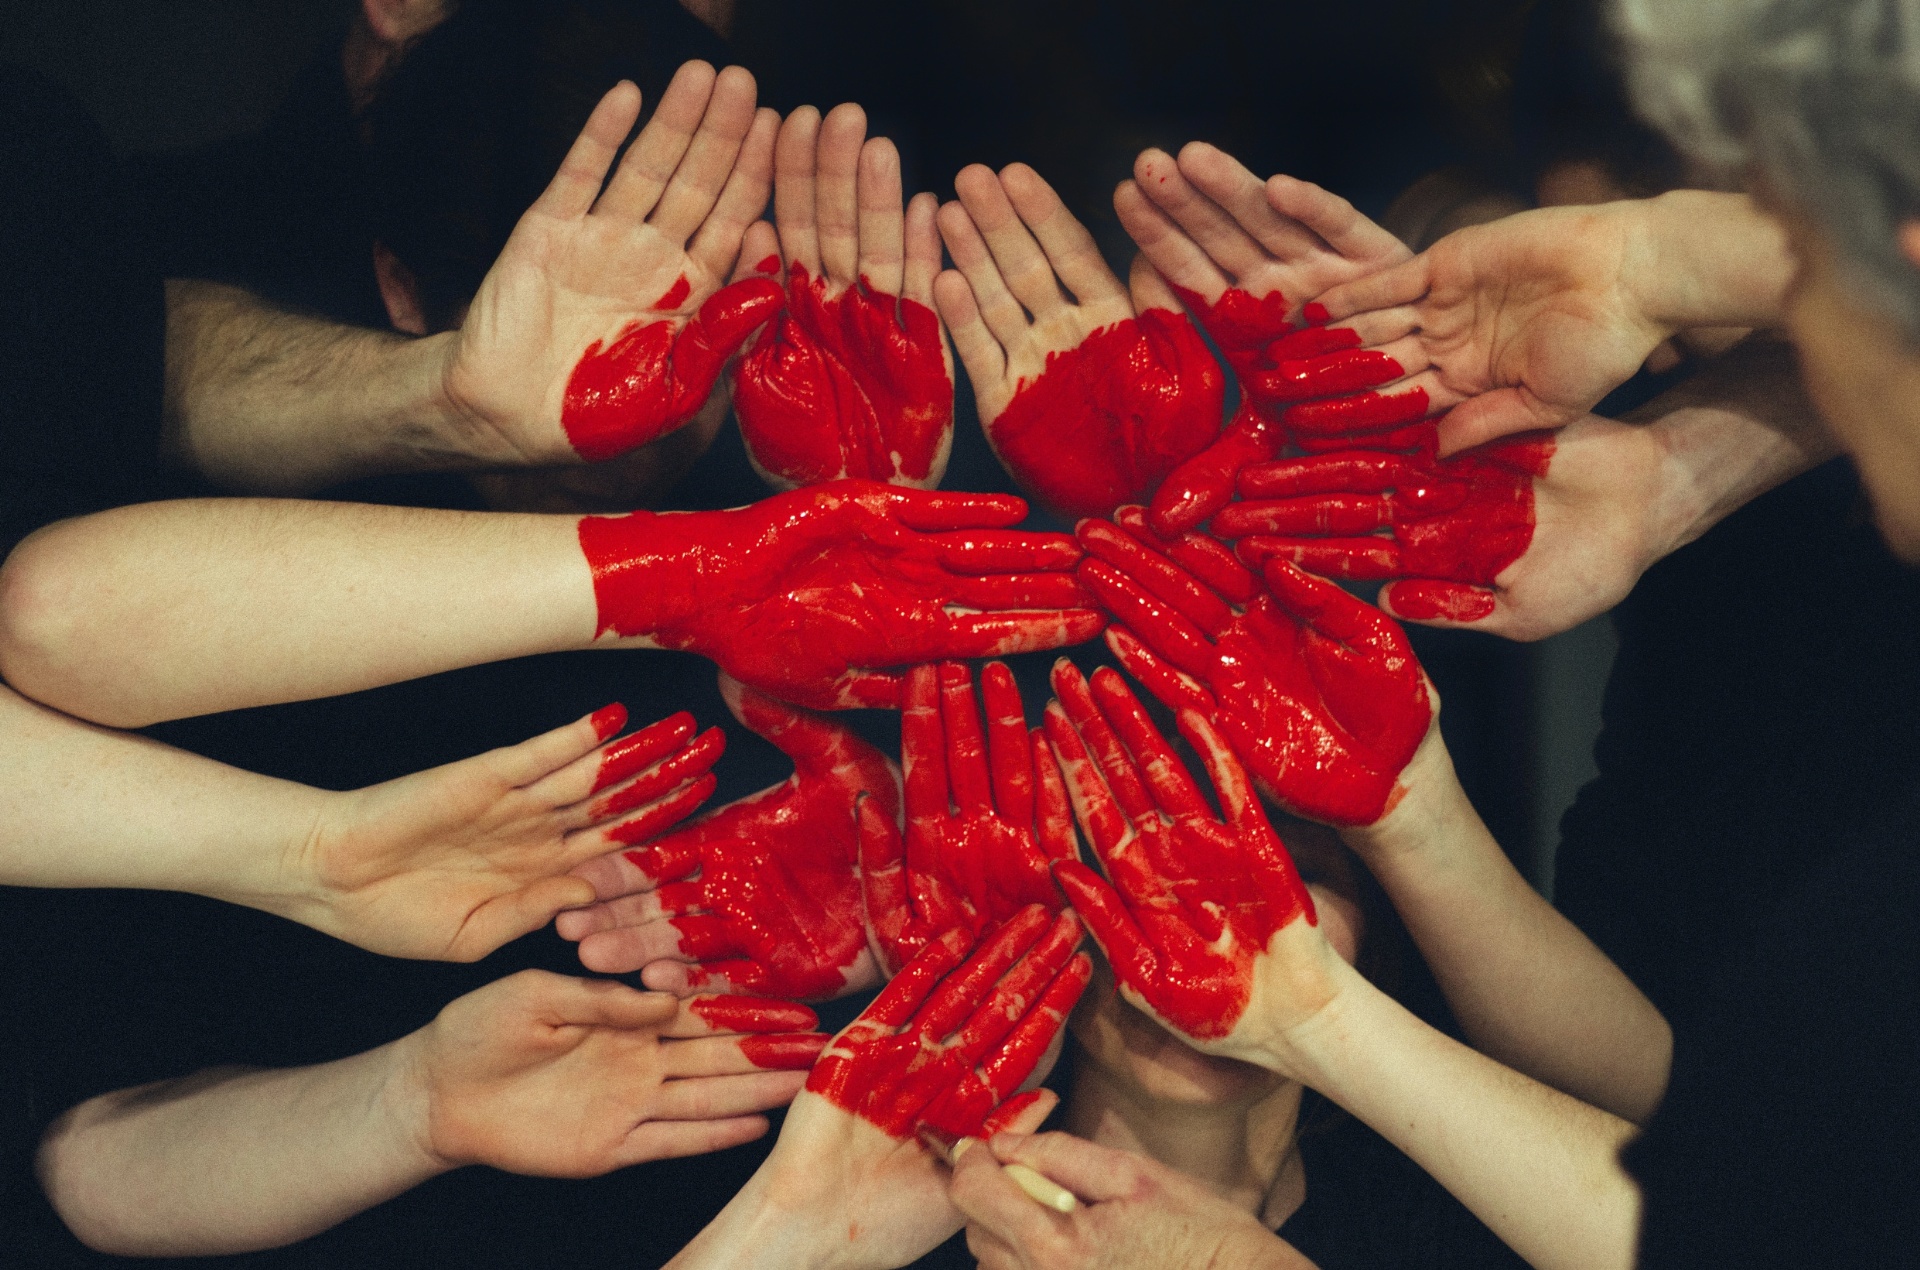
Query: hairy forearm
[1528,988]
[234,1161]
[165,610]
[1539,1167]
[259,400]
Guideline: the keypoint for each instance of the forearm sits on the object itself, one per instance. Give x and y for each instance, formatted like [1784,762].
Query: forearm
[1710,259]
[751,1233]
[1540,1168]
[165,610]
[1528,988]
[227,1162]
[264,401]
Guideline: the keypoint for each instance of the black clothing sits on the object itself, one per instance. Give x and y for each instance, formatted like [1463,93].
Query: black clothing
[1787,1136]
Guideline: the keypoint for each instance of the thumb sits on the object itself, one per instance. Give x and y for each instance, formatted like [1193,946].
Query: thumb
[507,917]
[1094,1173]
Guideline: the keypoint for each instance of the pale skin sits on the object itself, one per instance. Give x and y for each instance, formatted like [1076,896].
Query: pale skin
[264,401]
[536,1073]
[447,864]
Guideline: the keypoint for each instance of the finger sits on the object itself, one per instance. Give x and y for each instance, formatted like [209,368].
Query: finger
[673,1139]
[1356,559]
[836,204]
[613,875]
[1202,556]
[1022,1113]
[720,241]
[1241,197]
[644,784]
[1001,1217]
[933,510]
[967,774]
[1116,766]
[923,749]
[794,194]
[1156,574]
[1173,788]
[1203,484]
[1171,687]
[1237,799]
[1148,289]
[1336,614]
[1400,284]
[650,161]
[1314,515]
[1335,220]
[685,979]
[922,247]
[1003,314]
[1110,922]
[604,1003]
[759,253]
[1174,255]
[1438,603]
[883,877]
[1168,631]
[721,1097]
[739,1055]
[905,992]
[963,992]
[648,819]
[1094,1173]
[882,224]
[1211,227]
[1071,253]
[1021,591]
[866,690]
[1093,802]
[519,912]
[1358,472]
[625,949]
[1033,631]
[816,744]
[553,754]
[1367,412]
[979,351]
[1010,752]
[1006,551]
[1052,809]
[702,173]
[720,1015]
[1010,1065]
[574,187]
[1018,990]
[640,750]
[1489,416]
[1017,254]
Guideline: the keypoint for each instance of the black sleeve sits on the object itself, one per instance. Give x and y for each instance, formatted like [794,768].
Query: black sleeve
[83,328]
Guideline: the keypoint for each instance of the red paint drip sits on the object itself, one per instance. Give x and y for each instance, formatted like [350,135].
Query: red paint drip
[652,377]
[675,297]
[852,386]
[1106,421]
[608,720]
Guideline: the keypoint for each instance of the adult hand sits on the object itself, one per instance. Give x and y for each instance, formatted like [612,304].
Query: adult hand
[1134,1211]
[815,596]
[1246,256]
[556,1077]
[986,815]
[453,862]
[604,324]
[854,378]
[1206,923]
[761,896]
[945,1044]
[1318,692]
[1528,321]
[1095,397]
[1448,529]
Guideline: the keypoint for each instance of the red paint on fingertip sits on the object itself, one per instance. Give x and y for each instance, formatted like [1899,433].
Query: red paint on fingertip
[770,265]
[1316,314]
[608,720]
[753,1014]
[789,1052]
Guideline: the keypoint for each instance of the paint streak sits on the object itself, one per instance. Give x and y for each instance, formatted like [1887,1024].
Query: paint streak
[770,264]
[951,1038]
[675,297]
[815,594]
[788,1053]
[765,892]
[1318,692]
[752,1014]
[1190,901]
[856,385]
[654,376]
[1106,421]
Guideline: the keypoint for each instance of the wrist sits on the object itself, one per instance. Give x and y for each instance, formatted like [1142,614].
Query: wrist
[1430,800]
[777,1221]
[654,572]
[406,1106]
[1709,259]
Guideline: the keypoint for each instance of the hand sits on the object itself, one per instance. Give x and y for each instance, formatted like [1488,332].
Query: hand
[1198,919]
[1245,256]
[814,595]
[1318,692]
[603,324]
[1452,527]
[1086,404]
[453,862]
[761,896]
[986,815]
[556,1077]
[854,378]
[1135,1211]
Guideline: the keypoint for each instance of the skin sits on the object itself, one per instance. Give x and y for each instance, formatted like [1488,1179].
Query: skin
[448,864]
[534,1074]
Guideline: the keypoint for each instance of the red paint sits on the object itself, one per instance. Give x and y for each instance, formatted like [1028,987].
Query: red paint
[752,1014]
[765,892]
[1364,412]
[816,595]
[1106,421]
[856,385]
[1191,901]
[657,778]
[1365,514]
[789,1053]
[608,720]
[660,814]
[946,1043]
[1318,692]
[770,264]
[675,297]
[987,814]
[644,748]
[1316,314]
[654,376]
[1203,484]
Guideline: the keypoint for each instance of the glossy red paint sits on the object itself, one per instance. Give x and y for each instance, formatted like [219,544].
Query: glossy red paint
[752,1014]
[768,264]
[675,297]
[1190,901]
[1366,514]
[818,594]
[608,720]
[950,1039]
[796,1052]
[856,385]
[764,892]
[654,376]
[1105,421]
[986,816]
[1318,692]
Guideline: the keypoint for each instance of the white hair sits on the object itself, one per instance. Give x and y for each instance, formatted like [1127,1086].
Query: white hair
[1819,99]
